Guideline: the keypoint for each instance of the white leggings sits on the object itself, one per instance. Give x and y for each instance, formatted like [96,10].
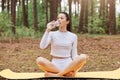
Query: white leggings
[61,64]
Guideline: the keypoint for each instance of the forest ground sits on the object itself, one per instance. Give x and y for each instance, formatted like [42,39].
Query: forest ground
[20,55]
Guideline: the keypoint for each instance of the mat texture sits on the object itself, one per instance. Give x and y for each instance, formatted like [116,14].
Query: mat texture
[7,73]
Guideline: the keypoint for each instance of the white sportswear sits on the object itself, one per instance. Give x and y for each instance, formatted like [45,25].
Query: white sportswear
[63,44]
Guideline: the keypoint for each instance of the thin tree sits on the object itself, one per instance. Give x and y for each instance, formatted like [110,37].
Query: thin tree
[75,3]
[3,4]
[78,1]
[35,14]
[13,15]
[46,7]
[112,18]
[103,13]
[107,17]
[8,5]
[25,13]
[92,10]
[102,8]
[59,4]
[81,22]
[70,14]
[53,10]
[86,16]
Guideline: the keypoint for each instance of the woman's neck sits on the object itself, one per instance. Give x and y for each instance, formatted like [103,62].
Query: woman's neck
[63,29]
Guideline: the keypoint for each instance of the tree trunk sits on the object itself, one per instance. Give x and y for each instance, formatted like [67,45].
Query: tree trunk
[3,5]
[70,28]
[13,15]
[112,18]
[25,14]
[8,5]
[102,9]
[78,5]
[19,2]
[46,7]
[86,16]
[60,5]
[75,3]
[107,17]
[81,23]
[92,10]
[103,13]
[35,15]
[53,10]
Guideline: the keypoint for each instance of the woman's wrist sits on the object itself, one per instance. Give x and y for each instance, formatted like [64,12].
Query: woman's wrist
[48,30]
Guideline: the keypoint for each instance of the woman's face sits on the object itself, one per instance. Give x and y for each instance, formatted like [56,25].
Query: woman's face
[62,20]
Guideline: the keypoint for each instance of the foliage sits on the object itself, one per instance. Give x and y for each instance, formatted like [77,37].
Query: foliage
[5,24]
[19,16]
[41,15]
[75,23]
[22,32]
[96,27]
[30,14]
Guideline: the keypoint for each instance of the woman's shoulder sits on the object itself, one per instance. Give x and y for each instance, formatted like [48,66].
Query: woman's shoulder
[72,34]
[51,33]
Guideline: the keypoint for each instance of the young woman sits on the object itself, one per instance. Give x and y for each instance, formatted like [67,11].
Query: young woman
[65,59]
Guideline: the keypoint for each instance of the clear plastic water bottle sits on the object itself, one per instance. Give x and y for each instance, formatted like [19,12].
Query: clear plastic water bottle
[57,23]
[49,25]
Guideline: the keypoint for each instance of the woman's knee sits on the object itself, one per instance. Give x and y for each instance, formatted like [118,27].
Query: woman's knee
[40,60]
[84,56]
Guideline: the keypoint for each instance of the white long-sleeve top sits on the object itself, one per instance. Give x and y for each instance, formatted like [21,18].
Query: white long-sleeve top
[63,44]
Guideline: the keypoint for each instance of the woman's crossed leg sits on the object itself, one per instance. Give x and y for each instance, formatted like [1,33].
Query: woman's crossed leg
[51,70]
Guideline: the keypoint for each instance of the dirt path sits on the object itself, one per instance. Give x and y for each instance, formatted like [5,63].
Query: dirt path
[20,55]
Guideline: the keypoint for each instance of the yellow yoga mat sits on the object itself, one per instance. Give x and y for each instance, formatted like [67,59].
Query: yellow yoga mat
[115,74]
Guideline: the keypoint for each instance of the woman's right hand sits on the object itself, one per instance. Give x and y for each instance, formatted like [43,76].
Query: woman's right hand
[51,25]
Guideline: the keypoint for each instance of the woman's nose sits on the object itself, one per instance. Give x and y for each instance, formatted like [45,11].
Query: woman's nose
[59,19]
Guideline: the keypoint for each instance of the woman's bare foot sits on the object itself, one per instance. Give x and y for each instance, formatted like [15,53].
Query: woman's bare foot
[49,74]
[70,74]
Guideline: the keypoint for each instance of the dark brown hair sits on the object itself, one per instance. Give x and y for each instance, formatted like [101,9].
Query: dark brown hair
[68,19]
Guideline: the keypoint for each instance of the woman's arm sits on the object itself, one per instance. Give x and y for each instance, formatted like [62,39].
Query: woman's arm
[74,53]
[46,39]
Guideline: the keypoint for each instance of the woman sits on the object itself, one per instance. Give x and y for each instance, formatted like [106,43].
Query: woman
[66,61]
